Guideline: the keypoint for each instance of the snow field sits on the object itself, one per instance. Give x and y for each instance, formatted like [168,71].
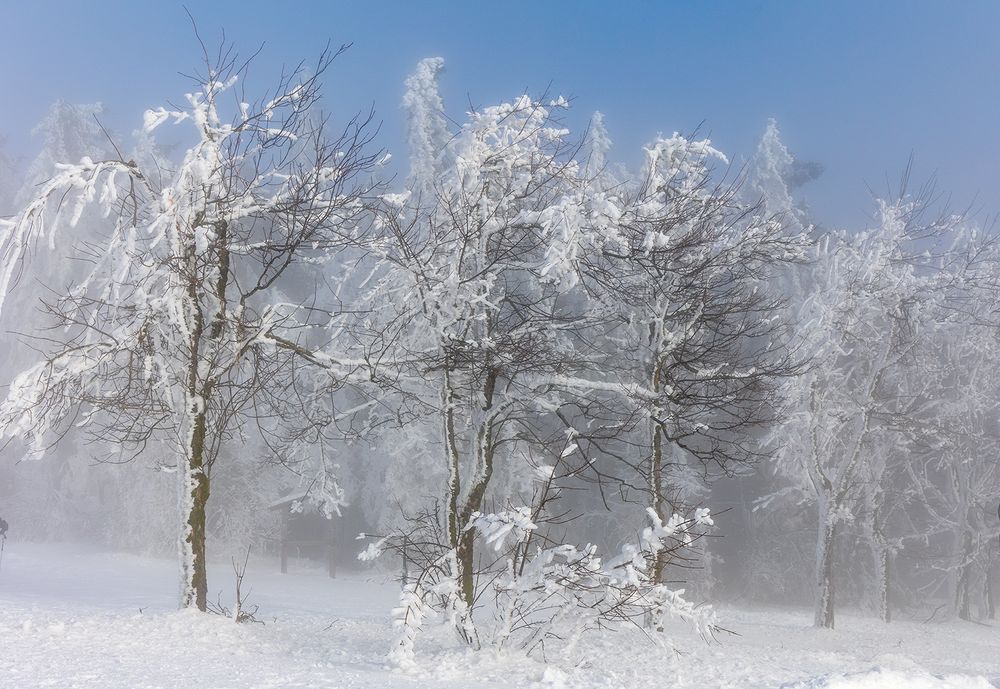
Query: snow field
[70,619]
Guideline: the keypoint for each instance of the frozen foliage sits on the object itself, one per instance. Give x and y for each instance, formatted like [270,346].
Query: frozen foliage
[772,164]
[597,146]
[495,528]
[547,596]
[553,595]
[427,131]
[435,592]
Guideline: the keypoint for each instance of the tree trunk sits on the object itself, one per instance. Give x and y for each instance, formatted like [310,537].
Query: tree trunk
[991,606]
[824,571]
[477,493]
[659,503]
[460,539]
[963,584]
[883,564]
[195,486]
[451,454]
[656,478]
[194,584]
[465,555]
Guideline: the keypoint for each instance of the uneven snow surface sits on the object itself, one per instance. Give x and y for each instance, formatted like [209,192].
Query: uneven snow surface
[75,618]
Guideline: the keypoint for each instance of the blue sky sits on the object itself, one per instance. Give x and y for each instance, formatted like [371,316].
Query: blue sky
[856,86]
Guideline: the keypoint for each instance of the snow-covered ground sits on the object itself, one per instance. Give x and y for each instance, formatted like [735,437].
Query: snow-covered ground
[74,618]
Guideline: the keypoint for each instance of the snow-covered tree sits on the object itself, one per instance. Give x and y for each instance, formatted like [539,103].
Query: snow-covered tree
[862,319]
[66,132]
[494,351]
[473,297]
[426,126]
[771,165]
[700,345]
[597,143]
[774,174]
[955,480]
[176,338]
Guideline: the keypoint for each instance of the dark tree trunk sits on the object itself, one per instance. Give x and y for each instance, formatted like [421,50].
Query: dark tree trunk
[963,586]
[824,616]
[884,564]
[194,565]
[656,478]
[466,565]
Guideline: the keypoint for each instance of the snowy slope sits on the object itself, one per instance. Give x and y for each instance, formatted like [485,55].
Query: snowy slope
[70,618]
